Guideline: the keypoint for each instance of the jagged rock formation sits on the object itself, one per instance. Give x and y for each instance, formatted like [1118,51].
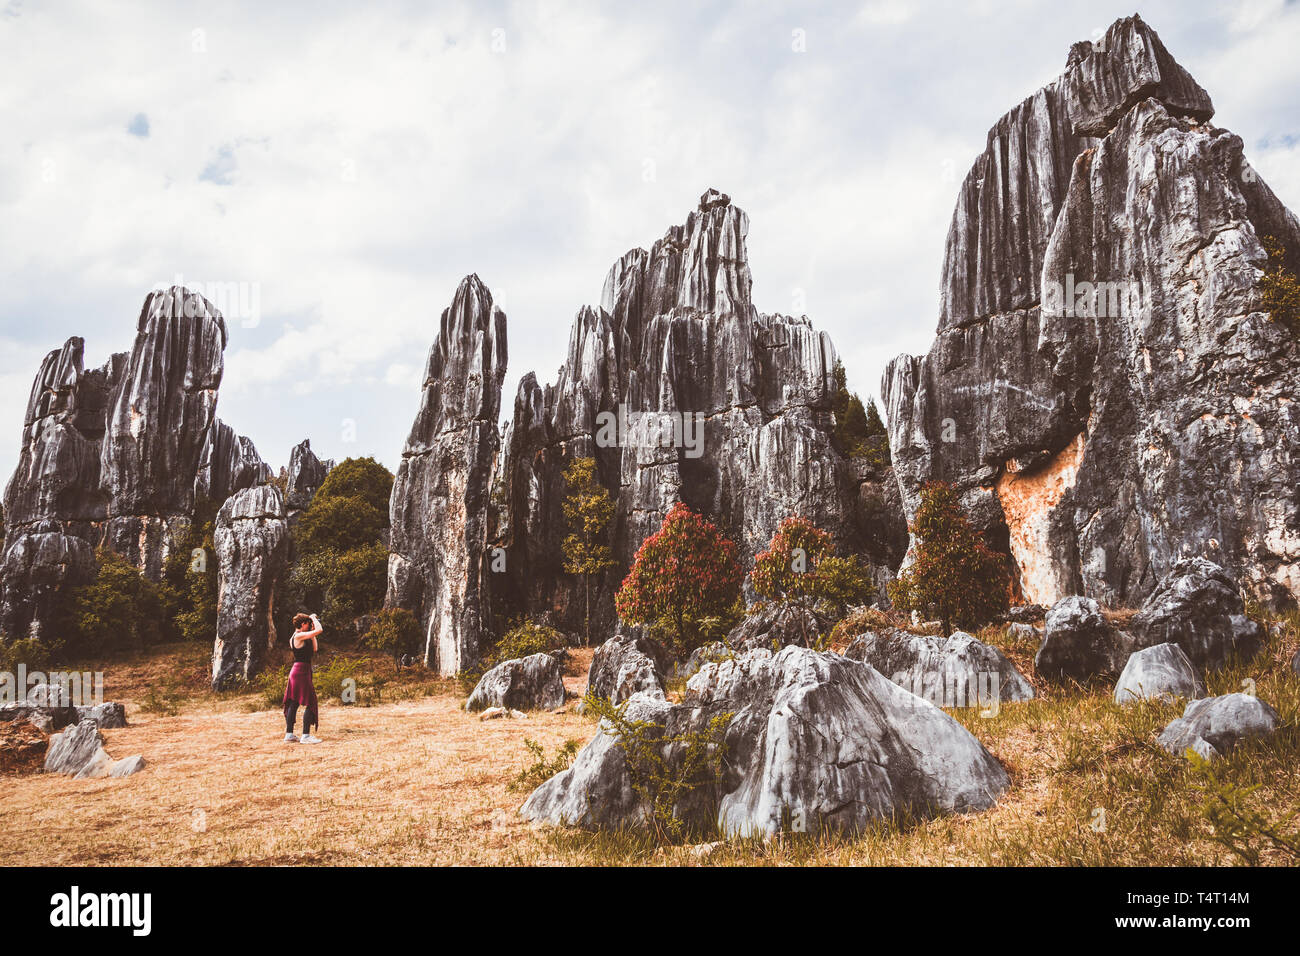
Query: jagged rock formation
[304,476]
[252,545]
[817,741]
[440,496]
[677,343]
[628,663]
[117,456]
[1104,389]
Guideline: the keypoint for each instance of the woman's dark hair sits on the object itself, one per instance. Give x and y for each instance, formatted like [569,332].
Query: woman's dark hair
[299,620]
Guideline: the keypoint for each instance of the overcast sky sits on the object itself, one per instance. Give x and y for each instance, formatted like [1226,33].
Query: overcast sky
[348,164]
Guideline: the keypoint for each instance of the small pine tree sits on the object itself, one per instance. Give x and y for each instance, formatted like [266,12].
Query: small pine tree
[955,576]
[588,509]
[859,430]
[684,578]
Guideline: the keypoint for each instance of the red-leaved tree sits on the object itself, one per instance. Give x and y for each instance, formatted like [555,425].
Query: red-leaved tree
[684,582]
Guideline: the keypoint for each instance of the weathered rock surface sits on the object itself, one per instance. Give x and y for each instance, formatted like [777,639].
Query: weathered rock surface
[1079,644]
[677,334]
[252,544]
[440,501]
[777,624]
[957,671]
[304,476]
[628,663]
[1214,726]
[1162,671]
[1104,391]
[74,749]
[1198,607]
[816,740]
[535,682]
[107,715]
[48,718]
[117,457]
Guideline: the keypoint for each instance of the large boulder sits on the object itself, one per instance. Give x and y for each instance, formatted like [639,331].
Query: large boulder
[1198,607]
[1162,672]
[535,682]
[1213,726]
[438,562]
[815,742]
[108,715]
[628,663]
[956,671]
[252,545]
[75,749]
[1119,397]
[1079,644]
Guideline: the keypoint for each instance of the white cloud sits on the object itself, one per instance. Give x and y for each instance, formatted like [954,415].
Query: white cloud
[354,165]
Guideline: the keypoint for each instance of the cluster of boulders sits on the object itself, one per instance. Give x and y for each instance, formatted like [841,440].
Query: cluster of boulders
[45,731]
[815,741]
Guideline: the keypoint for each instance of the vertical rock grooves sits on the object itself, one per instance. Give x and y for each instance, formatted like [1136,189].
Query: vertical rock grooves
[440,496]
[117,456]
[1101,278]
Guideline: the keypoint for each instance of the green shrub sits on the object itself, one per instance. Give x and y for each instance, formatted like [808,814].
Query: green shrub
[343,585]
[362,478]
[396,632]
[955,577]
[525,639]
[859,431]
[543,768]
[119,610]
[1280,289]
[339,524]
[663,782]
[164,697]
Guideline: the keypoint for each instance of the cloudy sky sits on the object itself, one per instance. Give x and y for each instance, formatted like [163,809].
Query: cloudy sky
[347,164]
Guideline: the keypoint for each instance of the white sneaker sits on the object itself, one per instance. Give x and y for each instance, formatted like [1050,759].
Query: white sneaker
[309,739]
[290,738]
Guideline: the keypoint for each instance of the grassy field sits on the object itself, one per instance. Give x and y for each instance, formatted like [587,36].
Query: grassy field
[415,780]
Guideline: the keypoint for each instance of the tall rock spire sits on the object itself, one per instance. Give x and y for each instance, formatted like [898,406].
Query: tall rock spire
[440,497]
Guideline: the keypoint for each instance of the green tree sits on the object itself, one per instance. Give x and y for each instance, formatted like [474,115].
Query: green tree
[340,524]
[119,610]
[859,430]
[588,510]
[358,478]
[396,632]
[1280,289]
[684,581]
[188,589]
[955,577]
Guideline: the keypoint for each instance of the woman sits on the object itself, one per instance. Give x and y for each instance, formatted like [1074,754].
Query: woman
[306,628]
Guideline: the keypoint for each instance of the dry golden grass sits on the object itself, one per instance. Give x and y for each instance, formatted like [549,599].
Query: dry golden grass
[422,782]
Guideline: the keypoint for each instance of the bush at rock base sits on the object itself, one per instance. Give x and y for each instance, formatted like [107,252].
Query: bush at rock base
[955,577]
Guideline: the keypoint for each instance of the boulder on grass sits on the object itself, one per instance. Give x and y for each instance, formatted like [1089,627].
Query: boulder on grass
[48,719]
[628,663]
[108,715]
[1214,726]
[1078,643]
[816,741]
[535,682]
[1198,607]
[75,748]
[1162,672]
[956,671]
